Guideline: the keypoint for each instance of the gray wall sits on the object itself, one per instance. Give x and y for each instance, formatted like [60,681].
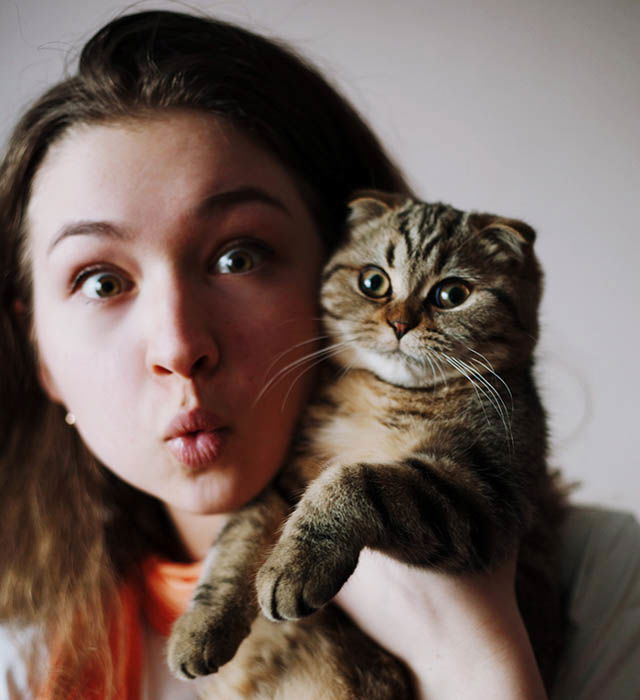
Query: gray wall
[528,109]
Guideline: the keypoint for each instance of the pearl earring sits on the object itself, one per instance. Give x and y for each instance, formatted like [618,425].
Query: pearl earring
[70,419]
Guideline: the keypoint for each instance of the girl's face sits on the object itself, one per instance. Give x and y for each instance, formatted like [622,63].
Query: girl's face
[175,270]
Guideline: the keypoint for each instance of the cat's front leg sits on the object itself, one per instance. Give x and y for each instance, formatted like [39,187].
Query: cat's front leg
[224,604]
[319,546]
[425,510]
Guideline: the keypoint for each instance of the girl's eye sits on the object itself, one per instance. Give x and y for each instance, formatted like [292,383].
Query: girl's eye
[240,259]
[102,285]
[449,293]
[374,282]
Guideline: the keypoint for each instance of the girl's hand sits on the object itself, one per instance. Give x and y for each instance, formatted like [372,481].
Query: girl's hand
[462,636]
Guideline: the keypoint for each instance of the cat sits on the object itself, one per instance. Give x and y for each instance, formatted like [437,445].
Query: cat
[426,439]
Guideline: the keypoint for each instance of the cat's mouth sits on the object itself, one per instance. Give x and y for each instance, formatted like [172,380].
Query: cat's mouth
[400,354]
[415,364]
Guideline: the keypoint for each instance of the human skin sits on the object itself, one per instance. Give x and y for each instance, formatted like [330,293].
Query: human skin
[177,333]
[462,636]
[147,204]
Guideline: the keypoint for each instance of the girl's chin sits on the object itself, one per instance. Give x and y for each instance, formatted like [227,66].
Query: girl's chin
[198,500]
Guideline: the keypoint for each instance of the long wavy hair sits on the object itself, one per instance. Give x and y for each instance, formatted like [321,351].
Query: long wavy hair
[71,530]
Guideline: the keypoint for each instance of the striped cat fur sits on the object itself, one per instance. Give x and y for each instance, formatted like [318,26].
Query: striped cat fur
[426,440]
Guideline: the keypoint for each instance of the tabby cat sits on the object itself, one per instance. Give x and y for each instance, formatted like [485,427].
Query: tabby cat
[426,440]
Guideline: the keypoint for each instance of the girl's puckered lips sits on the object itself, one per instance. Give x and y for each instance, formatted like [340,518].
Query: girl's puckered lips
[192,421]
[196,437]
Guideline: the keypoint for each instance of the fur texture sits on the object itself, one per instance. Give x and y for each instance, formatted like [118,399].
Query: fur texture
[426,440]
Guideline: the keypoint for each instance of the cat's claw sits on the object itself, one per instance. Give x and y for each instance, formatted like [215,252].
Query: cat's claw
[292,584]
[201,641]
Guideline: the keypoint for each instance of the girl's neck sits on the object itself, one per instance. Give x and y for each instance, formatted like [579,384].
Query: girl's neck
[197,532]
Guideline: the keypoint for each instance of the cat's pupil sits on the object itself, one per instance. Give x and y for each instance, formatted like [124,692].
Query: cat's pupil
[455,295]
[374,283]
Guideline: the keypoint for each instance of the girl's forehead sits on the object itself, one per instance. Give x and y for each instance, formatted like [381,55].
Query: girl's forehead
[138,146]
[149,172]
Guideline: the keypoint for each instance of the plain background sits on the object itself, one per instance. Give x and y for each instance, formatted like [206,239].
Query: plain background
[526,108]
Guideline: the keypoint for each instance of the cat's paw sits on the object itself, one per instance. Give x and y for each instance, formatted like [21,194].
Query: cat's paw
[202,640]
[293,582]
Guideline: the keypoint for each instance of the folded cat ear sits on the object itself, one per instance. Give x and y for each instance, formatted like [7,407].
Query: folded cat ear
[516,234]
[372,204]
[512,227]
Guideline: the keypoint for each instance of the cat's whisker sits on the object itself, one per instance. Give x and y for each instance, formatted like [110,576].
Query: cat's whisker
[484,381]
[500,379]
[494,397]
[433,364]
[505,413]
[280,355]
[335,350]
[294,365]
[438,362]
[484,362]
[432,367]
[345,370]
[332,351]
[322,353]
[497,400]
[486,389]
[479,393]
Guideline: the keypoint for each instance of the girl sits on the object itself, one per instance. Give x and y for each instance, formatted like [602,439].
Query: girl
[164,216]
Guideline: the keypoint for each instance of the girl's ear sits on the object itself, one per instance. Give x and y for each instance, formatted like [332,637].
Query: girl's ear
[19,309]
[47,383]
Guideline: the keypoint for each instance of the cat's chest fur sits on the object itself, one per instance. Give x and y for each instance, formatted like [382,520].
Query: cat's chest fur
[359,418]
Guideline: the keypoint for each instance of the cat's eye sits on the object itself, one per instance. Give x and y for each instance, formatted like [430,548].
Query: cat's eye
[240,259]
[374,282]
[102,285]
[449,293]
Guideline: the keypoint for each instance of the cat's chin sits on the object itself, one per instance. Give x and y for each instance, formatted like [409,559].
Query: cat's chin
[396,368]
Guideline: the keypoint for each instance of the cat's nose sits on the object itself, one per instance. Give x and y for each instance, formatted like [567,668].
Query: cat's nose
[401,327]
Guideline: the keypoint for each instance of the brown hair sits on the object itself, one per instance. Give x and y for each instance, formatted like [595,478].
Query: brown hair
[71,529]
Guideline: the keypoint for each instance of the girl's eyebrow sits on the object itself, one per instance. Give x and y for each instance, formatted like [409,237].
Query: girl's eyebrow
[240,195]
[209,206]
[79,228]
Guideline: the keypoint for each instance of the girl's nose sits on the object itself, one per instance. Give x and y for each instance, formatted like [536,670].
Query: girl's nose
[181,338]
